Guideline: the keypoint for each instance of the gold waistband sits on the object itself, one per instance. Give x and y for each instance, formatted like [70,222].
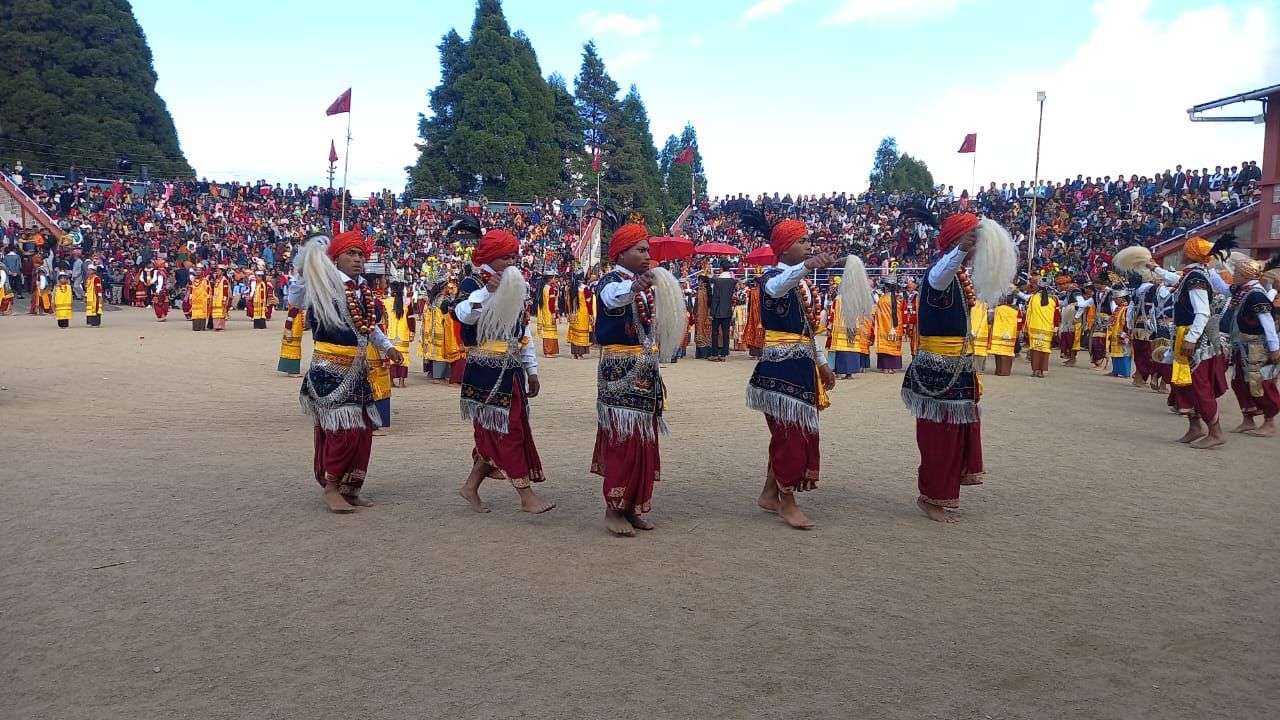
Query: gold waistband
[496,346]
[774,338]
[949,345]
[624,349]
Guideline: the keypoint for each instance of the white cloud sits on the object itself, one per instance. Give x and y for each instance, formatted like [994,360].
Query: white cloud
[852,11]
[696,41]
[1114,105]
[598,23]
[765,8]
[1098,120]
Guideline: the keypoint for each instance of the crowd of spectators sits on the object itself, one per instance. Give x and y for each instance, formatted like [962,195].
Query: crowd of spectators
[122,226]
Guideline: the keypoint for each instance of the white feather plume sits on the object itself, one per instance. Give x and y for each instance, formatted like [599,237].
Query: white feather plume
[856,303]
[1134,257]
[995,262]
[325,289]
[504,308]
[670,318]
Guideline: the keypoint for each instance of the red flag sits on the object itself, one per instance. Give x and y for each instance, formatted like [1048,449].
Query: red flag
[970,143]
[595,160]
[333,153]
[686,156]
[341,105]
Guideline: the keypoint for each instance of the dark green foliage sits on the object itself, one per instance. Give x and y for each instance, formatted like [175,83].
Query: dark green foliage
[77,86]
[910,175]
[492,129]
[882,166]
[678,176]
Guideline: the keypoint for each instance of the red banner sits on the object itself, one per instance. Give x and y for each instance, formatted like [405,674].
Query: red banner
[341,105]
[970,143]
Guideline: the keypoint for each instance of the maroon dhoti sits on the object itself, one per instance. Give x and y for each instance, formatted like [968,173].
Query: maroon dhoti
[630,466]
[511,455]
[1066,341]
[793,453]
[342,456]
[161,309]
[1142,363]
[1097,349]
[1267,405]
[949,455]
[1208,383]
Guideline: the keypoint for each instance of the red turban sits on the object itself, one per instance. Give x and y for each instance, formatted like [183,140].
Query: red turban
[954,228]
[343,242]
[785,234]
[494,244]
[626,237]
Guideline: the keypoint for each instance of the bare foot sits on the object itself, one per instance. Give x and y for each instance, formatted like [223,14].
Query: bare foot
[790,512]
[616,523]
[768,501]
[1244,426]
[971,479]
[357,501]
[1194,432]
[1208,442]
[335,502]
[638,522]
[472,496]
[531,503]
[1267,430]
[936,513]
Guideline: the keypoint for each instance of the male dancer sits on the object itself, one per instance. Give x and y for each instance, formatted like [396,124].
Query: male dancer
[343,316]
[629,327]
[1198,377]
[1255,350]
[495,317]
[940,387]
[791,379]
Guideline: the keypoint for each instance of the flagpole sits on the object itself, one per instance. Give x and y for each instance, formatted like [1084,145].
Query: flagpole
[346,159]
[973,176]
[1035,189]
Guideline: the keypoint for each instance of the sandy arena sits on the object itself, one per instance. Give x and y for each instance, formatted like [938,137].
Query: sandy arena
[168,554]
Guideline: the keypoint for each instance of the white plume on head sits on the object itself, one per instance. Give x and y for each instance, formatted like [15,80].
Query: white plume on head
[670,318]
[325,289]
[856,303]
[1134,257]
[504,308]
[995,261]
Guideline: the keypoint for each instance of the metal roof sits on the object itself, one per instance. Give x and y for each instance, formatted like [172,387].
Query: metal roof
[1259,94]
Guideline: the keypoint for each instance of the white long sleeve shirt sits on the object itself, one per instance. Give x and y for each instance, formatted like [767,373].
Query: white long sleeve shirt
[784,282]
[944,271]
[468,313]
[618,294]
[298,298]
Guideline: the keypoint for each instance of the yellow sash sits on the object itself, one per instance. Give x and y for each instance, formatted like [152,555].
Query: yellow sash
[340,354]
[774,338]
[1181,375]
[949,345]
[496,346]
[625,349]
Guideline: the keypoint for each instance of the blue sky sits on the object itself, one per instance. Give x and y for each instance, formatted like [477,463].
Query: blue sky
[787,95]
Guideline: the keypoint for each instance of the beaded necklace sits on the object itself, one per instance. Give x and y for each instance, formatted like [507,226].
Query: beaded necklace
[362,316]
[966,287]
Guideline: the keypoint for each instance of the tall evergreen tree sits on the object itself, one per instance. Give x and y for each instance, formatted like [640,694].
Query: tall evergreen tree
[78,87]
[679,176]
[499,136]
[882,166]
[432,176]
[637,173]
[596,97]
[569,138]
[909,175]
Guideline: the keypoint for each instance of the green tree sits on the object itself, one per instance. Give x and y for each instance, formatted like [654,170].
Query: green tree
[432,175]
[596,97]
[909,175]
[635,170]
[882,166]
[569,139]
[498,137]
[78,87]
[678,176]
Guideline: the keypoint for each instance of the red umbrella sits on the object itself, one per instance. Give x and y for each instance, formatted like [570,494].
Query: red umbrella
[662,249]
[762,255]
[717,249]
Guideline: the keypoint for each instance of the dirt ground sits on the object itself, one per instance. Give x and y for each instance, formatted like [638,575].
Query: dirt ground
[168,556]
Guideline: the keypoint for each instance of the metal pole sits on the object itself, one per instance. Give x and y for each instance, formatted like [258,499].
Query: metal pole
[346,157]
[1035,190]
